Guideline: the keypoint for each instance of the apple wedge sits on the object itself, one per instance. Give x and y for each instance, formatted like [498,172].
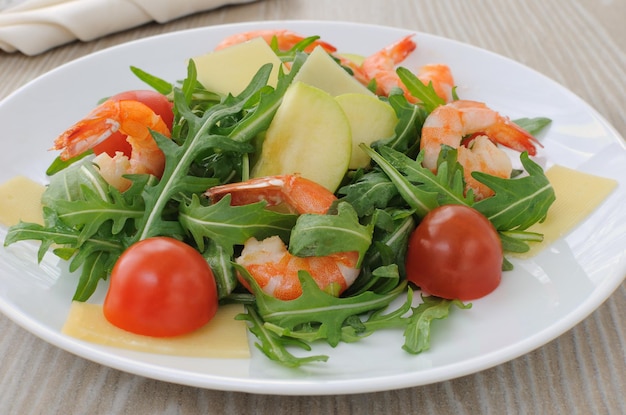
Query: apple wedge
[322,71]
[370,120]
[309,135]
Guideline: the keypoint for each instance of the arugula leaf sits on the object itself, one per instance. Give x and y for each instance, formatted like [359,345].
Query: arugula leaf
[307,325]
[317,306]
[373,190]
[158,84]
[419,200]
[190,82]
[383,266]
[95,267]
[377,321]
[70,183]
[92,211]
[517,241]
[533,125]
[425,93]
[233,225]
[321,235]
[517,203]
[408,130]
[57,164]
[447,183]
[272,345]
[291,54]
[219,261]
[417,333]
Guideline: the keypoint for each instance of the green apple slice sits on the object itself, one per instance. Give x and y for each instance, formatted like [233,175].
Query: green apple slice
[322,71]
[309,135]
[370,120]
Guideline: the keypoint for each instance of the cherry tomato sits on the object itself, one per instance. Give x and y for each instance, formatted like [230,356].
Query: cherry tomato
[455,253]
[157,103]
[161,287]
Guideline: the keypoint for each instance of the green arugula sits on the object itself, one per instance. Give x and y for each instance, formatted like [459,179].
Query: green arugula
[321,235]
[228,226]
[424,93]
[317,316]
[317,306]
[383,267]
[90,224]
[274,346]
[220,262]
[369,192]
[533,125]
[417,333]
[517,203]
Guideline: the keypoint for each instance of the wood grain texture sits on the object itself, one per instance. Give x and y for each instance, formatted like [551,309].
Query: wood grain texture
[579,43]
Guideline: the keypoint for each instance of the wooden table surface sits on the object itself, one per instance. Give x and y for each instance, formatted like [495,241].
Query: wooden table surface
[579,43]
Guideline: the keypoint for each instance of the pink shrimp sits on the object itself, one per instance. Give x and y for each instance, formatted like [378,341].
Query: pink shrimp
[450,123]
[276,270]
[440,76]
[131,118]
[297,193]
[381,67]
[268,261]
[285,39]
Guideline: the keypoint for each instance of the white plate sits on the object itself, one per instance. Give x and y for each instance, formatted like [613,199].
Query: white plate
[537,302]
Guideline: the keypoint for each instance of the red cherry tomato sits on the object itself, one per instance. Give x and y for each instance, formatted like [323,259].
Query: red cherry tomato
[157,103]
[455,253]
[161,287]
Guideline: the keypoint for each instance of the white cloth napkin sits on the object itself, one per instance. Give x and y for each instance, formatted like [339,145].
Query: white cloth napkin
[34,26]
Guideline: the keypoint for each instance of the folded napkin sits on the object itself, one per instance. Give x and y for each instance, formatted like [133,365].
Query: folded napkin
[34,26]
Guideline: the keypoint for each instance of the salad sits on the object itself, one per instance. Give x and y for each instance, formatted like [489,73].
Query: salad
[186,196]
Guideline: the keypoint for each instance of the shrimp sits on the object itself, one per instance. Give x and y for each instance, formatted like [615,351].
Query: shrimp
[450,123]
[285,38]
[300,195]
[131,118]
[381,66]
[440,76]
[276,270]
[268,261]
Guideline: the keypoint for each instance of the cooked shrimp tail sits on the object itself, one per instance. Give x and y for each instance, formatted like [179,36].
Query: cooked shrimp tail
[451,123]
[300,194]
[133,119]
[285,39]
[381,67]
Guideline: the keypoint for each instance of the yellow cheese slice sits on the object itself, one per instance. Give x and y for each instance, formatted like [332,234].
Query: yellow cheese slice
[577,195]
[20,199]
[223,337]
